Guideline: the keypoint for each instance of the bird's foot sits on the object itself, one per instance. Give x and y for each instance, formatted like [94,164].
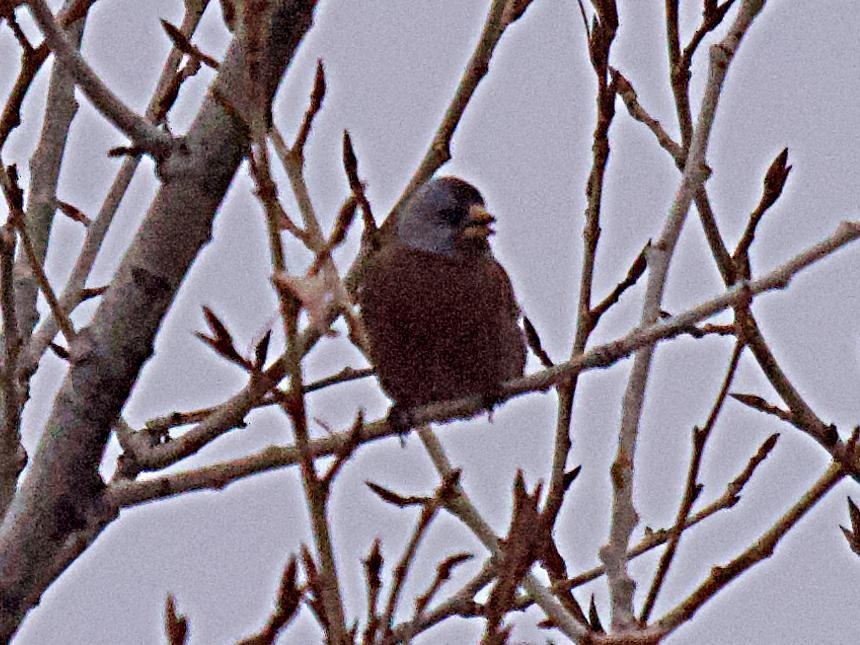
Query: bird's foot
[490,400]
[400,420]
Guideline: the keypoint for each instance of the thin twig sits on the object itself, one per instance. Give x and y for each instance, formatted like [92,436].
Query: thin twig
[316,489]
[15,203]
[638,112]
[463,509]
[774,182]
[760,548]
[31,63]
[350,165]
[600,39]
[460,603]
[803,413]
[96,232]
[731,496]
[314,106]
[601,356]
[692,488]
[138,129]
[422,524]
[439,151]
[624,517]
[292,159]
[63,321]
[712,16]
[758,403]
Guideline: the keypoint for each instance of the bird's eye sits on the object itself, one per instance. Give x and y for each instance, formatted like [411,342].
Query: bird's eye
[452,215]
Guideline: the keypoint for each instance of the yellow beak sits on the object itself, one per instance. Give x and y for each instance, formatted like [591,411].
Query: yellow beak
[478,223]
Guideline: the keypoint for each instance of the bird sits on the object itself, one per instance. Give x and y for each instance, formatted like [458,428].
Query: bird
[438,309]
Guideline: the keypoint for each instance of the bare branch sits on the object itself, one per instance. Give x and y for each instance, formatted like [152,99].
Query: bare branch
[146,282]
[131,493]
[95,234]
[692,489]
[439,151]
[761,548]
[11,450]
[653,539]
[462,508]
[141,132]
[624,516]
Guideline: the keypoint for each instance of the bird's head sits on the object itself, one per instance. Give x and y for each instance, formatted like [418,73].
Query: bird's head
[446,216]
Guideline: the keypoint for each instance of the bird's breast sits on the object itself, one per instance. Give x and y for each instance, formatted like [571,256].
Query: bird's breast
[439,328]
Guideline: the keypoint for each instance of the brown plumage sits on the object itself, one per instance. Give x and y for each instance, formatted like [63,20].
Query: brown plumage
[439,310]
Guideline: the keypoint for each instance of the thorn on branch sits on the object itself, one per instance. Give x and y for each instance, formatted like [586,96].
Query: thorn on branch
[88,293]
[286,605]
[372,570]
[73,213]
[534,343]
[402,501]
[774,183]
[171,91]
[594,617]
[737,484]
[708,329]
[316,101]
[345,450]
[443,573]
[514,11]
[125,151]
[59,351]
[350,165]
[175,624]
[261,350]
[373,565]
[636,270]
[221,341]
[760,404]
[853,534]
[712,16]
[338,235]
[570,477]
[184,45]
[315,599]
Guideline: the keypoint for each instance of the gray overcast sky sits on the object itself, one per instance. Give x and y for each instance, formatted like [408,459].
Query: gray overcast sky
[525,141]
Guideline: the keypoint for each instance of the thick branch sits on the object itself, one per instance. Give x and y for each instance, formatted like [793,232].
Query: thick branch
[60,492]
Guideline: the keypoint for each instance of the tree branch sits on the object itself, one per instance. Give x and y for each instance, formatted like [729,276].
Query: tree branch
[144,135]
[624,516]
[63,484]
